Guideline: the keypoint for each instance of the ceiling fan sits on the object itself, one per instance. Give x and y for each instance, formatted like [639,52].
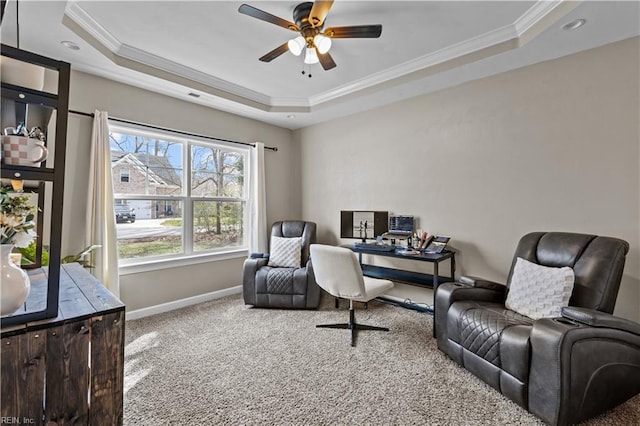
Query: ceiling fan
[314,38]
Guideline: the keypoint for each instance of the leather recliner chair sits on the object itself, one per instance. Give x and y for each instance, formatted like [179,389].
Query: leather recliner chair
[565,369]
[266,286]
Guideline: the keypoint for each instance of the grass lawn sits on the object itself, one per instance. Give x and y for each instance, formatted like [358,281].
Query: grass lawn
[135,249]
[158,246]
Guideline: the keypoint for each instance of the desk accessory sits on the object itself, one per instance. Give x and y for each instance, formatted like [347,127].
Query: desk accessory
[438,244]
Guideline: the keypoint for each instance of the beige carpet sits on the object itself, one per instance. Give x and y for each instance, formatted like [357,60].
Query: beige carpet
[221,362]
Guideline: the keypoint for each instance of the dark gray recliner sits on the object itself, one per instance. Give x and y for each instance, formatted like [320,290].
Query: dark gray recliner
[566,369]
[265,286]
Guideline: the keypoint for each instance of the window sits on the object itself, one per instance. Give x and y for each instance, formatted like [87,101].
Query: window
[181,197]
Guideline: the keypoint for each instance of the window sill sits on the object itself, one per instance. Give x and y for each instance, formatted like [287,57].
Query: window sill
[157,264]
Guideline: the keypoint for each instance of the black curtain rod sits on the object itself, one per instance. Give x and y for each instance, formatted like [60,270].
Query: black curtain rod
[151,126]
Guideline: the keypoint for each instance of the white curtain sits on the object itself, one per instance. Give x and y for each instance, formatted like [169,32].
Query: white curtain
[257,202]
[101,222]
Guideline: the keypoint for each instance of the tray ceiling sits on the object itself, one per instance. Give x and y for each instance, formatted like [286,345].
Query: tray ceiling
[209,49]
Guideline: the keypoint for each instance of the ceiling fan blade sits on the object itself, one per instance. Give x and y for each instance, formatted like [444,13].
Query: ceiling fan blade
[356,31]
[326,60]
[274,53]
[267,17]
[319,12]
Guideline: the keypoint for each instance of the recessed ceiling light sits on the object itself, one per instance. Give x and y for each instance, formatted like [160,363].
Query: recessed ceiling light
[291,116]
[70,45]
[575,24]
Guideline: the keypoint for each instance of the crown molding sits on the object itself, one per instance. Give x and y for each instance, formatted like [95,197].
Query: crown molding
[80,17]
[534,15]
[441,56]
[492,38]
[157,62]
[176,91]
[508,37]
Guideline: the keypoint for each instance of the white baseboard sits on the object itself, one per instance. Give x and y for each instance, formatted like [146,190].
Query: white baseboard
[182,303]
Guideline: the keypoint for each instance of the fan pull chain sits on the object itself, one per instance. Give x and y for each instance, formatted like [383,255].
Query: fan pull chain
[308,73]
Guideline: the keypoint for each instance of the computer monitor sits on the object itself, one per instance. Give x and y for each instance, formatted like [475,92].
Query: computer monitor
[350,220]
[400,225]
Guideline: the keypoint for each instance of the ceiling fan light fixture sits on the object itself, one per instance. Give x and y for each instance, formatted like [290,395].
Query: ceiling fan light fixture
[322,42]
[311,57]
[296,45]
[308,20]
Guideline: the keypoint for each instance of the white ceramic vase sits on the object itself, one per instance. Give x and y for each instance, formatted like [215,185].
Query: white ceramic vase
[15,283]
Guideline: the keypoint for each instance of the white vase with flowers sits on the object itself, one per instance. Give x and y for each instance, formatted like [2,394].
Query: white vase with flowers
[16,230]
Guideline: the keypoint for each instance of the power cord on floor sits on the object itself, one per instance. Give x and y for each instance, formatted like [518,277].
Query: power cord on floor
[409,304]
[420,304]
[424,307]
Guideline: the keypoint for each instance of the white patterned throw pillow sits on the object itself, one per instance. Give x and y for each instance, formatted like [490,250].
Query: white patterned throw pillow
[539,291]
[285,252]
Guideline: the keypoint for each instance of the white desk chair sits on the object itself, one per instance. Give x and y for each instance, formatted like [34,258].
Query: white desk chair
[338,272]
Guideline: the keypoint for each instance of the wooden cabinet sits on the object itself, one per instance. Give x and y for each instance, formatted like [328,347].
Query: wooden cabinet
[69,369]
[42,104]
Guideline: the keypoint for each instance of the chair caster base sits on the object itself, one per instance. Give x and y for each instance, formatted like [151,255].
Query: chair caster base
[353,326]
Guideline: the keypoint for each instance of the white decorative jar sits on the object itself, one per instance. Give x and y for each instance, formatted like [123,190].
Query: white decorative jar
[15,283]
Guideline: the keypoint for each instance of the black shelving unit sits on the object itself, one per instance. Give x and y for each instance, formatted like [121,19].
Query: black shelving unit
[35,308]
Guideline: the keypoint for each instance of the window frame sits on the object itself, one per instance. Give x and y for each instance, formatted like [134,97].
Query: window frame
[125,173]
[187,256]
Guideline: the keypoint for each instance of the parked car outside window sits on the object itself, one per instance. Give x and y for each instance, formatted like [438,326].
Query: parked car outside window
[125,213]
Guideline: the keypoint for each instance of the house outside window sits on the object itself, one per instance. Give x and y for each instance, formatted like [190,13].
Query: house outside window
[189,196]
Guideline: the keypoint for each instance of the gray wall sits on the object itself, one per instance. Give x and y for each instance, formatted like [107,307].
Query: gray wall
[553,146]
[140,290]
